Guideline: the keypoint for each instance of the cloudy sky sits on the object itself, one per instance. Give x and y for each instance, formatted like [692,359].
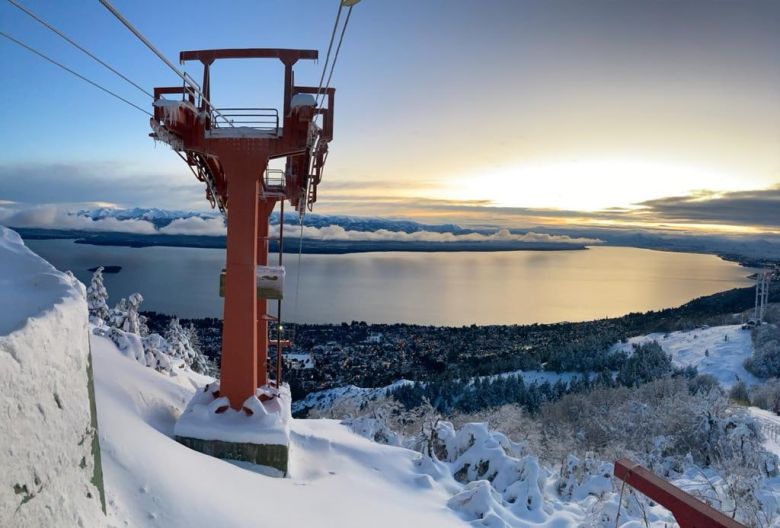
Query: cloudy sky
[511,113]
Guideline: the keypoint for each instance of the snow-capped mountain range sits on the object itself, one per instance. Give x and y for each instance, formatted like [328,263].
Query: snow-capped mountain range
[163,217]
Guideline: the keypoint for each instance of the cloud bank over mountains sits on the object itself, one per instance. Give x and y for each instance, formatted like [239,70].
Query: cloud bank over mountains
[162,222]
[393,232]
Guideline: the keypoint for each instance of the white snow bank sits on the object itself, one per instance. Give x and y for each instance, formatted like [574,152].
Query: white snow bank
[264,419]
[336,477]
[30,285]
[46,435]
[719,351]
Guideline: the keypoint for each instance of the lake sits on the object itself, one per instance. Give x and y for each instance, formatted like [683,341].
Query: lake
[424,288]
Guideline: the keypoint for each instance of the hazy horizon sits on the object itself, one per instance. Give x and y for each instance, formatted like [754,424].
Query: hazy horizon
[512,113]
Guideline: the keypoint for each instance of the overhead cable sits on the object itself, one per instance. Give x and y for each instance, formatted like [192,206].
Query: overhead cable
[93,83]
[183,75]
[75,44]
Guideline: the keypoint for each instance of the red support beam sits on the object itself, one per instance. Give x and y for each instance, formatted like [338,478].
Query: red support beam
[285,55]
[689,511]
[239,371]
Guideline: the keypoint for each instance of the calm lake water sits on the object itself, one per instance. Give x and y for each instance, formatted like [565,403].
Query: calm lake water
[425,288]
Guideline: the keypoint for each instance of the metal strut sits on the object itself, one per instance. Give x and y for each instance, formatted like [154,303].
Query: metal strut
[689,511]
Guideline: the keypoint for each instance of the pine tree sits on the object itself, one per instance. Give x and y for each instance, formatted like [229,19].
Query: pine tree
[200,362]
[178,344]
[132,321]
[118,315]
[97,295]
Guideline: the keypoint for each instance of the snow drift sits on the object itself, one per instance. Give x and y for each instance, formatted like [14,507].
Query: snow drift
[48,429]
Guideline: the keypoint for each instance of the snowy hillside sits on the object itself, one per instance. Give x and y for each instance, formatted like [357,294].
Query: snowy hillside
[719,351]
[336,476]
[477,478]
[351,395]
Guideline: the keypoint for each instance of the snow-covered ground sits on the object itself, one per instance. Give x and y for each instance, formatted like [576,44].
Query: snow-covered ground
[719,351]
[336,476]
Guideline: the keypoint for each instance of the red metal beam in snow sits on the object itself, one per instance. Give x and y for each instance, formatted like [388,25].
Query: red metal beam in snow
[689,511]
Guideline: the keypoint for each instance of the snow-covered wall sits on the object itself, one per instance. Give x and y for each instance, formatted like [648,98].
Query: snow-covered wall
[49,475]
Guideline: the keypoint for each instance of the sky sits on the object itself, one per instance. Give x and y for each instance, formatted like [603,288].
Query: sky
[653,114]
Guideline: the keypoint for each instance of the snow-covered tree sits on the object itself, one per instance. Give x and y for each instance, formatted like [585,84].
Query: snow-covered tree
[179,345]
[97,295]
[647,362]
[765,362]
[200,362]
[132,322]
[124,316]
[118,315]
[156,352]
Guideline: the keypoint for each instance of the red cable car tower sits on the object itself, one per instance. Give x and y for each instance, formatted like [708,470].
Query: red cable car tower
[229,150]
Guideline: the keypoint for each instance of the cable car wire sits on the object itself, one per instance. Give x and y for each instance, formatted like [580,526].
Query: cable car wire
[93,83]
[183,75]
[75,44]
[330,47]
[338,49]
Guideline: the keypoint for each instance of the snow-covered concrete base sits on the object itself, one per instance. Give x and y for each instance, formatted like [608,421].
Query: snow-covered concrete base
[48,443]
[259,433]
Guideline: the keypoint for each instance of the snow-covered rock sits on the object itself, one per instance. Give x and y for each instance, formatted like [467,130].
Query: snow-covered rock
[46,438]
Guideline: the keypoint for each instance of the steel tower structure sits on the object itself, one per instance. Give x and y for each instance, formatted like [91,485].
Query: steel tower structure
[229,150]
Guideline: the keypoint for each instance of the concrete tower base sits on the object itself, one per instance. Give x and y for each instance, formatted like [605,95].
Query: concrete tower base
[258,433]
[270,455]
